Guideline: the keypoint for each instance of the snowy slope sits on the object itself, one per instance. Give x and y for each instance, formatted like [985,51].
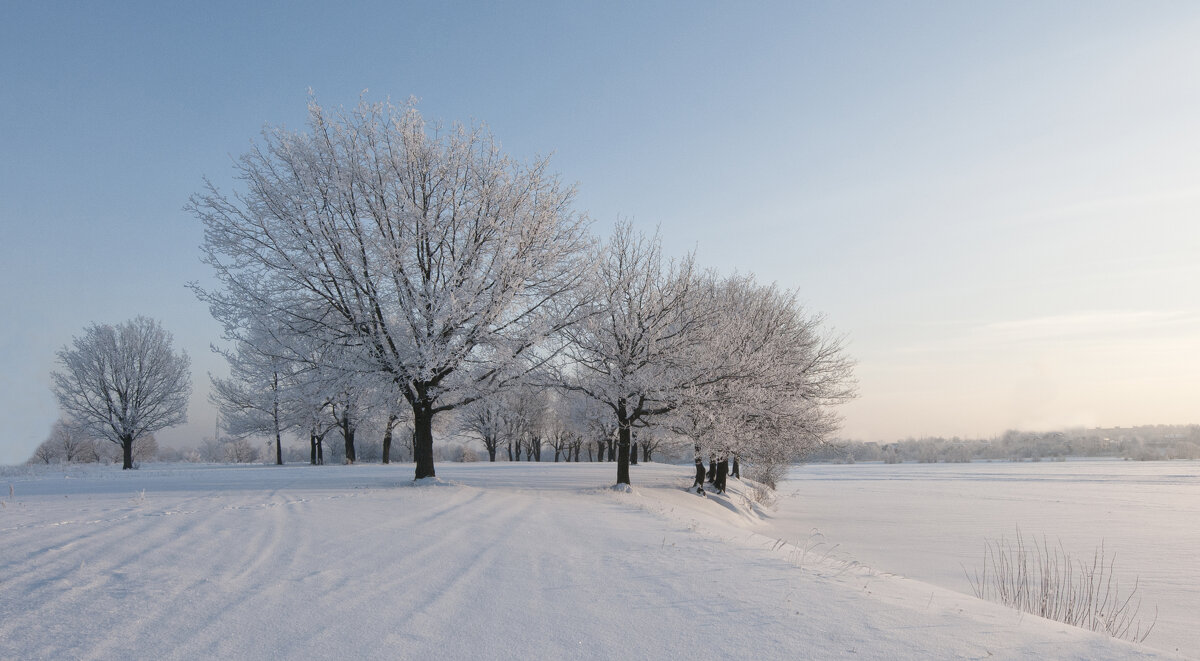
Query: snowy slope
[504,561]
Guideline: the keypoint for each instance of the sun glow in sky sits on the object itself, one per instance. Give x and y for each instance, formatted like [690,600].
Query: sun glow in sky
[997,204]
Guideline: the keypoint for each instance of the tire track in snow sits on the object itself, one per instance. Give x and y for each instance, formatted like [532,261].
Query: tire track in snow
[93,576]
[213,563]
[303,574]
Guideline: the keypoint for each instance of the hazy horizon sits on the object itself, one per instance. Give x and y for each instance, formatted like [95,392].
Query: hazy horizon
[995,204]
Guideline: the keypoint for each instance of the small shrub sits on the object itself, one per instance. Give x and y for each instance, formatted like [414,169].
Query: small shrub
[238,451]
[767,473]
[1046,581]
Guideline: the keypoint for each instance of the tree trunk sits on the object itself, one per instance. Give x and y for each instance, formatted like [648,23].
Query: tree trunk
[312,448]
[722,472]
[423,439]
[699,469]
[491,448]
[387,439]
[736,471]
[348,436]
[126,453]
[712,467]
[624,434]
[589,447]
[320,451]
[275,418]
[633,453]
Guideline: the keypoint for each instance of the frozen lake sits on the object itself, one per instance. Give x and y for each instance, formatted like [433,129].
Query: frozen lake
[929,521]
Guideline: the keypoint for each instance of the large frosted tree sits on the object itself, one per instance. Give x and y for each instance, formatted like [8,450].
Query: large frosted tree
[738,367]
[781,375]
[433,260]
[123,382]
[634,353]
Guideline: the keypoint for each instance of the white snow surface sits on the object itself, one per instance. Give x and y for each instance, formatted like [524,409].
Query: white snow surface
[497,561]
[929,522]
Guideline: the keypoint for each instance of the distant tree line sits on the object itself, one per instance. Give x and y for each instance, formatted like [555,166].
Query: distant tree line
[68,444]
[1145,443]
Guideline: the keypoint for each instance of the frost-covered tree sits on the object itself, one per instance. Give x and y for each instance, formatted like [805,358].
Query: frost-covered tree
[519,411]
[313,382]
[238,451]
[633,353]
[66,444]
[534,423]
[348,413]
[486,420]
[73,444]
[432,258]
[593,424]
[47,452]
[556,431]
[650,442]
[395,417]
[145,448]
[553,422]
[781,377]
[251,400]
[123,382]
[348,395]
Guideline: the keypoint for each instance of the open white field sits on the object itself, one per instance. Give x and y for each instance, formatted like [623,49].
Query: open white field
[929,521]
[507,561]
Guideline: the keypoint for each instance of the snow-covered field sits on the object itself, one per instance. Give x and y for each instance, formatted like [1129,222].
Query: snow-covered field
[929,522]
[503,561]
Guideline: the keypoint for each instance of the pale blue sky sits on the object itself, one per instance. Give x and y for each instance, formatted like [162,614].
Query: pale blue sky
[997,203]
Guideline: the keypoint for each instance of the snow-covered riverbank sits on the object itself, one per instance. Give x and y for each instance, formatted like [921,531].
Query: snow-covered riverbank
[929,522]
